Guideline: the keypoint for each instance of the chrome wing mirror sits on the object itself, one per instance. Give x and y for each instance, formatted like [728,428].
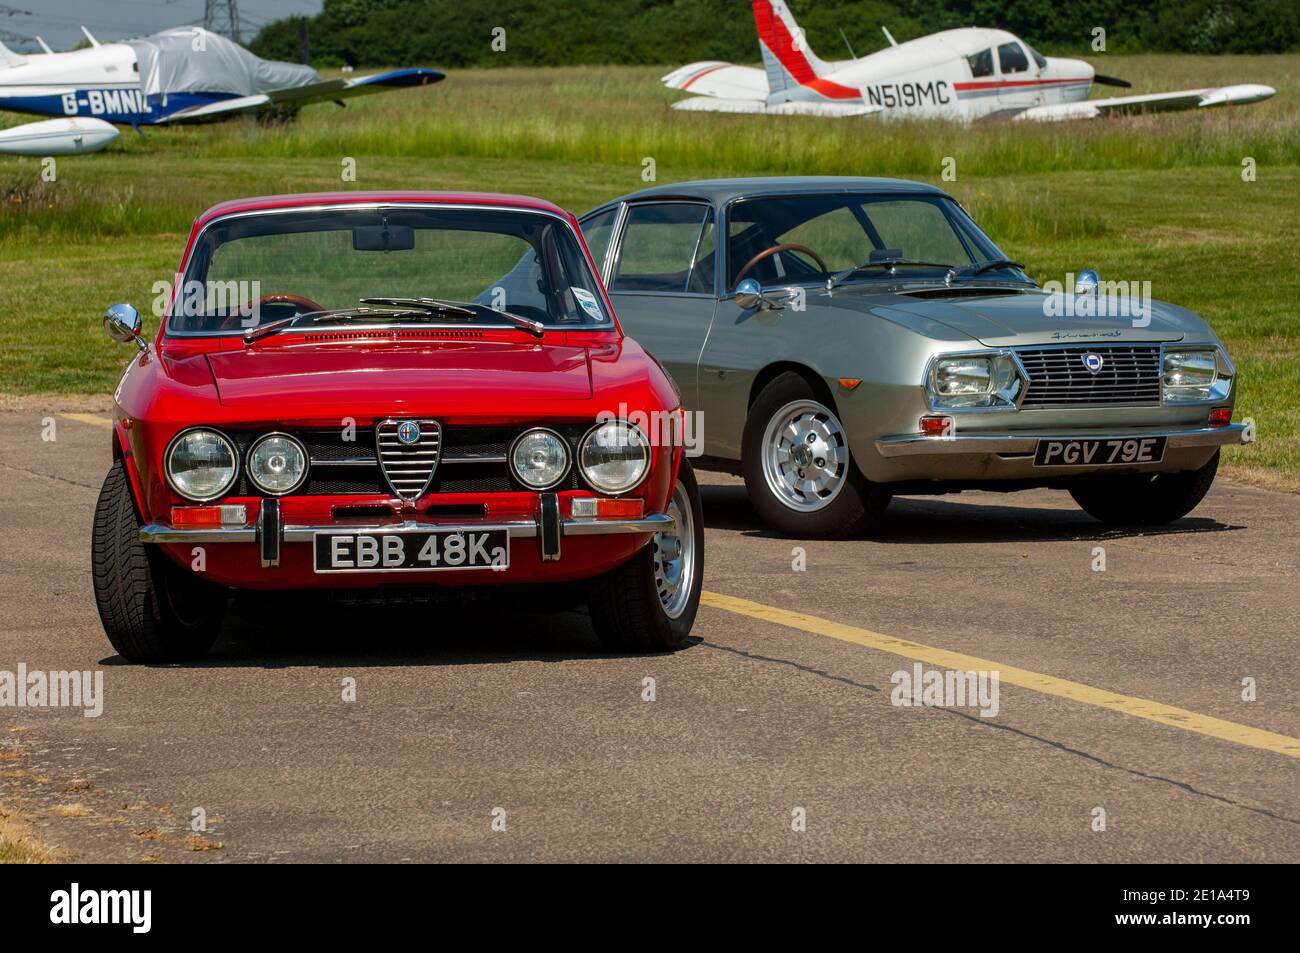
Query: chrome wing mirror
[1087,282]
[749,295]
[122,323]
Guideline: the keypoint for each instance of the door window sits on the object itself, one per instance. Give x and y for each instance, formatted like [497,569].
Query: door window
[1013,59]
[658,247]
[597,230]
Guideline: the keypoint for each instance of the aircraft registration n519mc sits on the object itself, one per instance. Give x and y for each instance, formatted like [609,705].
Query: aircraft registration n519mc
[963,74]
[185,74]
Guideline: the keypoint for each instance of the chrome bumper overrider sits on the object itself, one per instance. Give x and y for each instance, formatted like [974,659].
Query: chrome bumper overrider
[162,533]
[1025,443]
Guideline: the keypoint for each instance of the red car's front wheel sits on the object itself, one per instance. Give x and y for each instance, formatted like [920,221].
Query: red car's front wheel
[649,603]
[152,610]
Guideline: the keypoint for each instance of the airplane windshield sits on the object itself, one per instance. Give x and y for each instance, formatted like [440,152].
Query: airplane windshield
[837,233]
[392,265]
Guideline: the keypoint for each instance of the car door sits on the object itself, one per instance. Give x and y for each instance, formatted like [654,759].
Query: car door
[659,272]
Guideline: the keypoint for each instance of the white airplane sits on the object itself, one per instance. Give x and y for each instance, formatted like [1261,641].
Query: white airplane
[962,74]
[182,75]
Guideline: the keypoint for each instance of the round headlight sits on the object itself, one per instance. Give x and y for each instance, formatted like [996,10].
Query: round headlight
[614,457]
[201,464]
[277,464]
[540,458]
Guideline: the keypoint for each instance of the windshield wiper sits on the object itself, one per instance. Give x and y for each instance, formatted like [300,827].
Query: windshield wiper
[428,304]
[973,271]
[336,314]
[890,263]
[462,307]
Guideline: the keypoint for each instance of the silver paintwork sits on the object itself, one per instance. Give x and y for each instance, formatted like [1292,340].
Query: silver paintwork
[886,332]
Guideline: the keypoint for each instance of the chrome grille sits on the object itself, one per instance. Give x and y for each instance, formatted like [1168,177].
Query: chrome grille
[408,468]
[1129,376]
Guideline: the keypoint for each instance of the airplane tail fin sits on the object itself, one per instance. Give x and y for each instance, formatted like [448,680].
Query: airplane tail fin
[786,55]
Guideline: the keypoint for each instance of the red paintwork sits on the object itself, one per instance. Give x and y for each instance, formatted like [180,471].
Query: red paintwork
[289,382]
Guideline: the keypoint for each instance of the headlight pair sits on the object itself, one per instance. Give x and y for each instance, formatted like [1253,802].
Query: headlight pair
[1194,374]
[202,464]
[613,457]
[974,380]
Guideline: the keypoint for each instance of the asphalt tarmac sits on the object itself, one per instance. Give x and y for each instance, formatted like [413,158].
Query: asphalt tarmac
[1118,731]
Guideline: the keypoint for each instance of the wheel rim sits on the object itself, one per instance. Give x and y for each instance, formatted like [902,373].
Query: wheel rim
[805,456]
[674,552]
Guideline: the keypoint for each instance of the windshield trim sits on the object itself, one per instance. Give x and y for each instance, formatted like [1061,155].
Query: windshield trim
[610,323]
[920,191]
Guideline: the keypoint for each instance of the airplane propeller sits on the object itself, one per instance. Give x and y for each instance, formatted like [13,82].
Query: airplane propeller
[1101,80]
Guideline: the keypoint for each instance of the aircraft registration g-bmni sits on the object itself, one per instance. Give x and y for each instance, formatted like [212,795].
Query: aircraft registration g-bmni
[186,74]
[964,74]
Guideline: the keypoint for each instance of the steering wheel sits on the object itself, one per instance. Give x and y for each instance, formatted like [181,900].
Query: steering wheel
[304,306]
[769,252]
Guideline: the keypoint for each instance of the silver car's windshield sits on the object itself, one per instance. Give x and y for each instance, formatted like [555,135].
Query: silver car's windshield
[390,265]
[846,235]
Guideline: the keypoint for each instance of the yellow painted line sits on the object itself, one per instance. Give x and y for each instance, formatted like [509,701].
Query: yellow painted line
[94,419]
[1047,684]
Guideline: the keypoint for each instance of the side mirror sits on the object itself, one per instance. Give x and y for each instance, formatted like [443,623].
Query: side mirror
[122,323]
[1087,282]
[749,295]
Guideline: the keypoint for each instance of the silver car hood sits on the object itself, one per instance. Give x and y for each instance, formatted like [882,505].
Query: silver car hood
[1033,317]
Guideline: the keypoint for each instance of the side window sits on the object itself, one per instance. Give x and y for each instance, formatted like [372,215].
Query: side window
[981,64]
[706,258]
[1012,57]
[658,247]
[597,230]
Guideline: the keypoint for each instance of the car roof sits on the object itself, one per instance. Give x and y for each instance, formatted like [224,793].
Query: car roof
[311,199]
[721,191]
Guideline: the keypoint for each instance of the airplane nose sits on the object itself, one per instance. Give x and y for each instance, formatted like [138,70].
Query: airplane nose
[1063,68]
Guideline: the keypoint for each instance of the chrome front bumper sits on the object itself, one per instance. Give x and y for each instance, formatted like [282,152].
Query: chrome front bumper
[270,534]
[162,533]
[910,445]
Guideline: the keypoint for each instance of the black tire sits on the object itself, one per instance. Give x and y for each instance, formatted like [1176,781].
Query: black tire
[856,508]
[151,609]
[626,607]
[1146,499]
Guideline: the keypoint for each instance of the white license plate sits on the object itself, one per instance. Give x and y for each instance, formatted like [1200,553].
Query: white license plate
[412,550]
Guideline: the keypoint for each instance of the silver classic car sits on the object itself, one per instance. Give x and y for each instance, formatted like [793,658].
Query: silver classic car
[848,339]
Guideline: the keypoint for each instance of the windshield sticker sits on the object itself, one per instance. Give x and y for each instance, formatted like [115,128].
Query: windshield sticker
[588,302]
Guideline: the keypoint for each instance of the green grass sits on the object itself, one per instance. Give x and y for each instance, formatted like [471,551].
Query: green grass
[1148,197]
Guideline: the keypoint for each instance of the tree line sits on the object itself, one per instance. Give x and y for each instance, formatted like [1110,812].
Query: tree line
[455,33]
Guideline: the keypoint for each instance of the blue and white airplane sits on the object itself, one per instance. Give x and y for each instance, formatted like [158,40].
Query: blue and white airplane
[186,74]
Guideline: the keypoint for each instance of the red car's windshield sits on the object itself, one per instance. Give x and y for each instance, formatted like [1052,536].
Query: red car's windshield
[449,265]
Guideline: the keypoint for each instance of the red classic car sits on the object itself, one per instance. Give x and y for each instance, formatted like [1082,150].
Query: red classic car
[391,391]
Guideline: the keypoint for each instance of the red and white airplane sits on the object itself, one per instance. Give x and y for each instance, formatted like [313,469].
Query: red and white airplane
[964,74]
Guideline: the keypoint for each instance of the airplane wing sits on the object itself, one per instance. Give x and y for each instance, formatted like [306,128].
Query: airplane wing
[722,80]
[1151,102]
[330,90]
[721,104]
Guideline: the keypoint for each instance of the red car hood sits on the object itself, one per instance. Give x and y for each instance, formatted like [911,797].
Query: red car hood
[429,374]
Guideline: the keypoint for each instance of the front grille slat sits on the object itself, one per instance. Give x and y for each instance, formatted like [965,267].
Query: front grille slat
[408,467]
[1129,376]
